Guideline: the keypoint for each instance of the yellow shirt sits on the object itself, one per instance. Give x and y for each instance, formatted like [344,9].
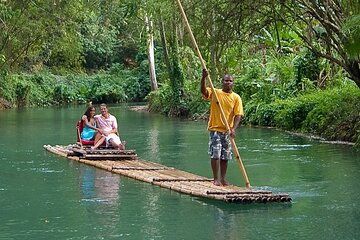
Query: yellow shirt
[231,104]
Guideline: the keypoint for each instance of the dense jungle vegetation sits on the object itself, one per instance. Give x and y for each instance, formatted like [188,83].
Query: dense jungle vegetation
[295,62]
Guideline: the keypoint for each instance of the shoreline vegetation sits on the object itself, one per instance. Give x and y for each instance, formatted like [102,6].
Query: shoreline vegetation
[145,108]
[4,104]
[204,117]
[329,115]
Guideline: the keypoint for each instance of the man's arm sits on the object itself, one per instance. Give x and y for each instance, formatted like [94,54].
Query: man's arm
[114,126]
[203,89]
[237,120]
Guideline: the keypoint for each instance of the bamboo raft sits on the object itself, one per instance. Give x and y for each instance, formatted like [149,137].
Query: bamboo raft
[126,163]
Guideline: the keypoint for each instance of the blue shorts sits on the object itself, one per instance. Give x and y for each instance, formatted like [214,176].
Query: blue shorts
[219,146]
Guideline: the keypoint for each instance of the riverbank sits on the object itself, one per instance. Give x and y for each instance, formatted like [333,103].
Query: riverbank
[47,89]
[204,117]
[4,104]
[320,139]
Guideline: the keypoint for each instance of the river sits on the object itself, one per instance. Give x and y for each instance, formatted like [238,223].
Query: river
[43,196]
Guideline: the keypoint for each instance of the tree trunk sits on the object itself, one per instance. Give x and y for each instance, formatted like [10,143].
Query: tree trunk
[213,62]
[176,76]
[150,42]
[213,51]
[164,45]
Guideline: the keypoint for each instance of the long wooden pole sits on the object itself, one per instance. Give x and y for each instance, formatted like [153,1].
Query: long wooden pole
[234,147]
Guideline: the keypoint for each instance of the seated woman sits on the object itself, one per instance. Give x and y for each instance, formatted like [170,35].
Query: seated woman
[89,130]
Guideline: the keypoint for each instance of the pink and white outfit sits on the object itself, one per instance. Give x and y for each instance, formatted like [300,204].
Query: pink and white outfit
[108,124]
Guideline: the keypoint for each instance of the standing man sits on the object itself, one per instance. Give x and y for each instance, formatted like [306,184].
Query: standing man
[219,141]
[108,130]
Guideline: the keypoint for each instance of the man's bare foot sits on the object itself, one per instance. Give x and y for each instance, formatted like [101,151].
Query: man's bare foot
[216,182]
[122,145]
[224,183]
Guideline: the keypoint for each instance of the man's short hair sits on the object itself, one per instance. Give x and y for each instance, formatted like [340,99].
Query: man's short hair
[227,75]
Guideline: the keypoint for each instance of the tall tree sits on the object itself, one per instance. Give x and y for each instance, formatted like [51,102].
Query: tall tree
[169,32]
[151,59]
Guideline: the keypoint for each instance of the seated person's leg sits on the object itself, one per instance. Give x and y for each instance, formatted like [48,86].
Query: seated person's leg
[116,142]
[99,139]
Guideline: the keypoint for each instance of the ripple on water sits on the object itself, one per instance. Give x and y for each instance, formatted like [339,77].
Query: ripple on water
[303,159]
[46,170]
[306,194]
[95,200]
[286,147]
[340,206]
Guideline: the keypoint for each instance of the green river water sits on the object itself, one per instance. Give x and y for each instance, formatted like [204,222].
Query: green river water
[43,196]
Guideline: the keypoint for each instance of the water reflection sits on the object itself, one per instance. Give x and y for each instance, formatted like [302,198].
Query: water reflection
[226,226]
[153,143]
[98,186]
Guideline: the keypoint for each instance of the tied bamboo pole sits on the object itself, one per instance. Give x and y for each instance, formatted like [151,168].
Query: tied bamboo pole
[233,144]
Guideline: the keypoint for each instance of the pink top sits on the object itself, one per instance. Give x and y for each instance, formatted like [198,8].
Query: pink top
[107,124]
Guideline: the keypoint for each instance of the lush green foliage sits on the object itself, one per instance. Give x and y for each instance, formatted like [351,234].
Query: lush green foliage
[332,114]
[190,105]
[66,35]
[115,85]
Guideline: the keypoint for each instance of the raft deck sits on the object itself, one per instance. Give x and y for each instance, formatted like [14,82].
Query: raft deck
[126,163]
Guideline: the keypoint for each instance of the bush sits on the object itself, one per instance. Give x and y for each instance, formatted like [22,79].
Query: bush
[106,88]
[265,83]
[306,66]
[7,87]
[262,114]
[22,90]
[63,94]
[292,112]
[336,115]
[159,101]
[332,114]
[43,89]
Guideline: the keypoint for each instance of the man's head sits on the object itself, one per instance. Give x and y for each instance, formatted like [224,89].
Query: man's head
[227,83]
[103,109]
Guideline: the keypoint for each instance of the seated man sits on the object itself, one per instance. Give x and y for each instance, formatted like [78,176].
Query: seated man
[108,132]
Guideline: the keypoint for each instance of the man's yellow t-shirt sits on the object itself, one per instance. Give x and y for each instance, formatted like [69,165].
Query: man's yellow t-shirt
[231,104]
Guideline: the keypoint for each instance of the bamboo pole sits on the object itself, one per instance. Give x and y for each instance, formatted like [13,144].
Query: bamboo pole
[234,147]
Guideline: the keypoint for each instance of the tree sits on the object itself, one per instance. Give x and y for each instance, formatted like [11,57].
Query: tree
[327,35]
[168,30]
[28,36]
[150,44]
[330,29]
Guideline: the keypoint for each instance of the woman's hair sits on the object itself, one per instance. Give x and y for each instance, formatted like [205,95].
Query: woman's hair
[87,113]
